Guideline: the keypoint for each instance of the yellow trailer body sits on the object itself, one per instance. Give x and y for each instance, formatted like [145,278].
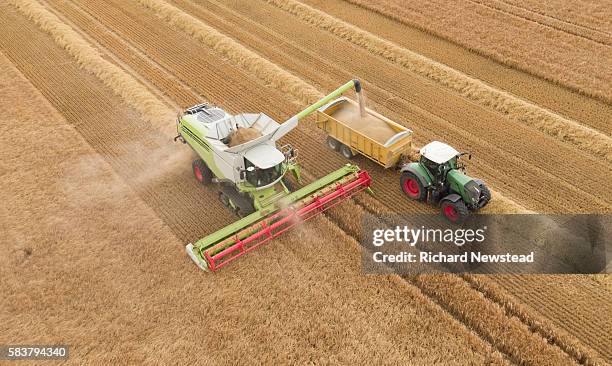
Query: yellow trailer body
[373,135]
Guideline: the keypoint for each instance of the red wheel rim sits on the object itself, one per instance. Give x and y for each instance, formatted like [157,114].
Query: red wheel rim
[411,187]
[198,173]
[450,212]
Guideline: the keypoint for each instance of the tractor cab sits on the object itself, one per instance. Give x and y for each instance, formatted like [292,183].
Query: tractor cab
[438,158]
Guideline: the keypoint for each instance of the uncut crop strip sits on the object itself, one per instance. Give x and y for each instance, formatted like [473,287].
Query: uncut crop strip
[582,14]
[565,335]
[555,125]
[591,82]
[602,38]
[581,316]
[442,129]
[303,263]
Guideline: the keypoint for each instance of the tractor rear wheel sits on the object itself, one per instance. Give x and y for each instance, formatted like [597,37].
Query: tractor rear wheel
[201,172]
[412,187]
[455,212]
[332,143]
[346,151]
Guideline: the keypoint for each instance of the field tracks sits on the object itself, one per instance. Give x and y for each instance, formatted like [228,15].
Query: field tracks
[553,334]
[564,129]
[544,20]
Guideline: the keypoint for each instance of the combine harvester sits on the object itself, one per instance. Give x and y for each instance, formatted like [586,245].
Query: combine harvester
[239,153]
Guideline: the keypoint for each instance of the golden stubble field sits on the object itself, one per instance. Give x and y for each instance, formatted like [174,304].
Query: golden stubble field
[97,216]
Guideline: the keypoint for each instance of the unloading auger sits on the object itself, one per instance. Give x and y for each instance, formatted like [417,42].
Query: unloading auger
[239,154]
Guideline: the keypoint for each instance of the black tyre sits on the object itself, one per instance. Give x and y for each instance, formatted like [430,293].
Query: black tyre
[241,204]
[485,194]
[412,186]
[346,151]
[224,199]
[455,212]
[332,143]
[243,211]
[288,184]
[201,172]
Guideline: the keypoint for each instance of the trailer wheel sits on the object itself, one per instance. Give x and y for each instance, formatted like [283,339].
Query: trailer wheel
[455,212]
[412,187]
[346,152]
[201,172]
[332,143]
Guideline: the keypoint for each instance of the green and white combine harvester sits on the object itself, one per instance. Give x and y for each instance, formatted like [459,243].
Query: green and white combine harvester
[251,173]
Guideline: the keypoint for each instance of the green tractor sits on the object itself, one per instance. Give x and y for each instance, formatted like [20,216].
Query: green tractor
[438,178]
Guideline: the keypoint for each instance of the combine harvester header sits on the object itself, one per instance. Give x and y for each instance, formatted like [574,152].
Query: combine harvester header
[239,153]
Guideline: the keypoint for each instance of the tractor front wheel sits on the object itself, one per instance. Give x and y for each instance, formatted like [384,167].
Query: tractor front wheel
[455,212]
[412,187]
[201,172]
[485,195]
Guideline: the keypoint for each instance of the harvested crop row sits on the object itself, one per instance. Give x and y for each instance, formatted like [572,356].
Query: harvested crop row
[452,118]
[546,121]
[90,59]
[181,93]
[356,321]
[508,39]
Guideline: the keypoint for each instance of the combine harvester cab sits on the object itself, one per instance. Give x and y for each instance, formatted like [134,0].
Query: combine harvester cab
[239,153]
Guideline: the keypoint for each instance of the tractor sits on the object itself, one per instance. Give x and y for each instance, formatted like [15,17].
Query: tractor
[438,178]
